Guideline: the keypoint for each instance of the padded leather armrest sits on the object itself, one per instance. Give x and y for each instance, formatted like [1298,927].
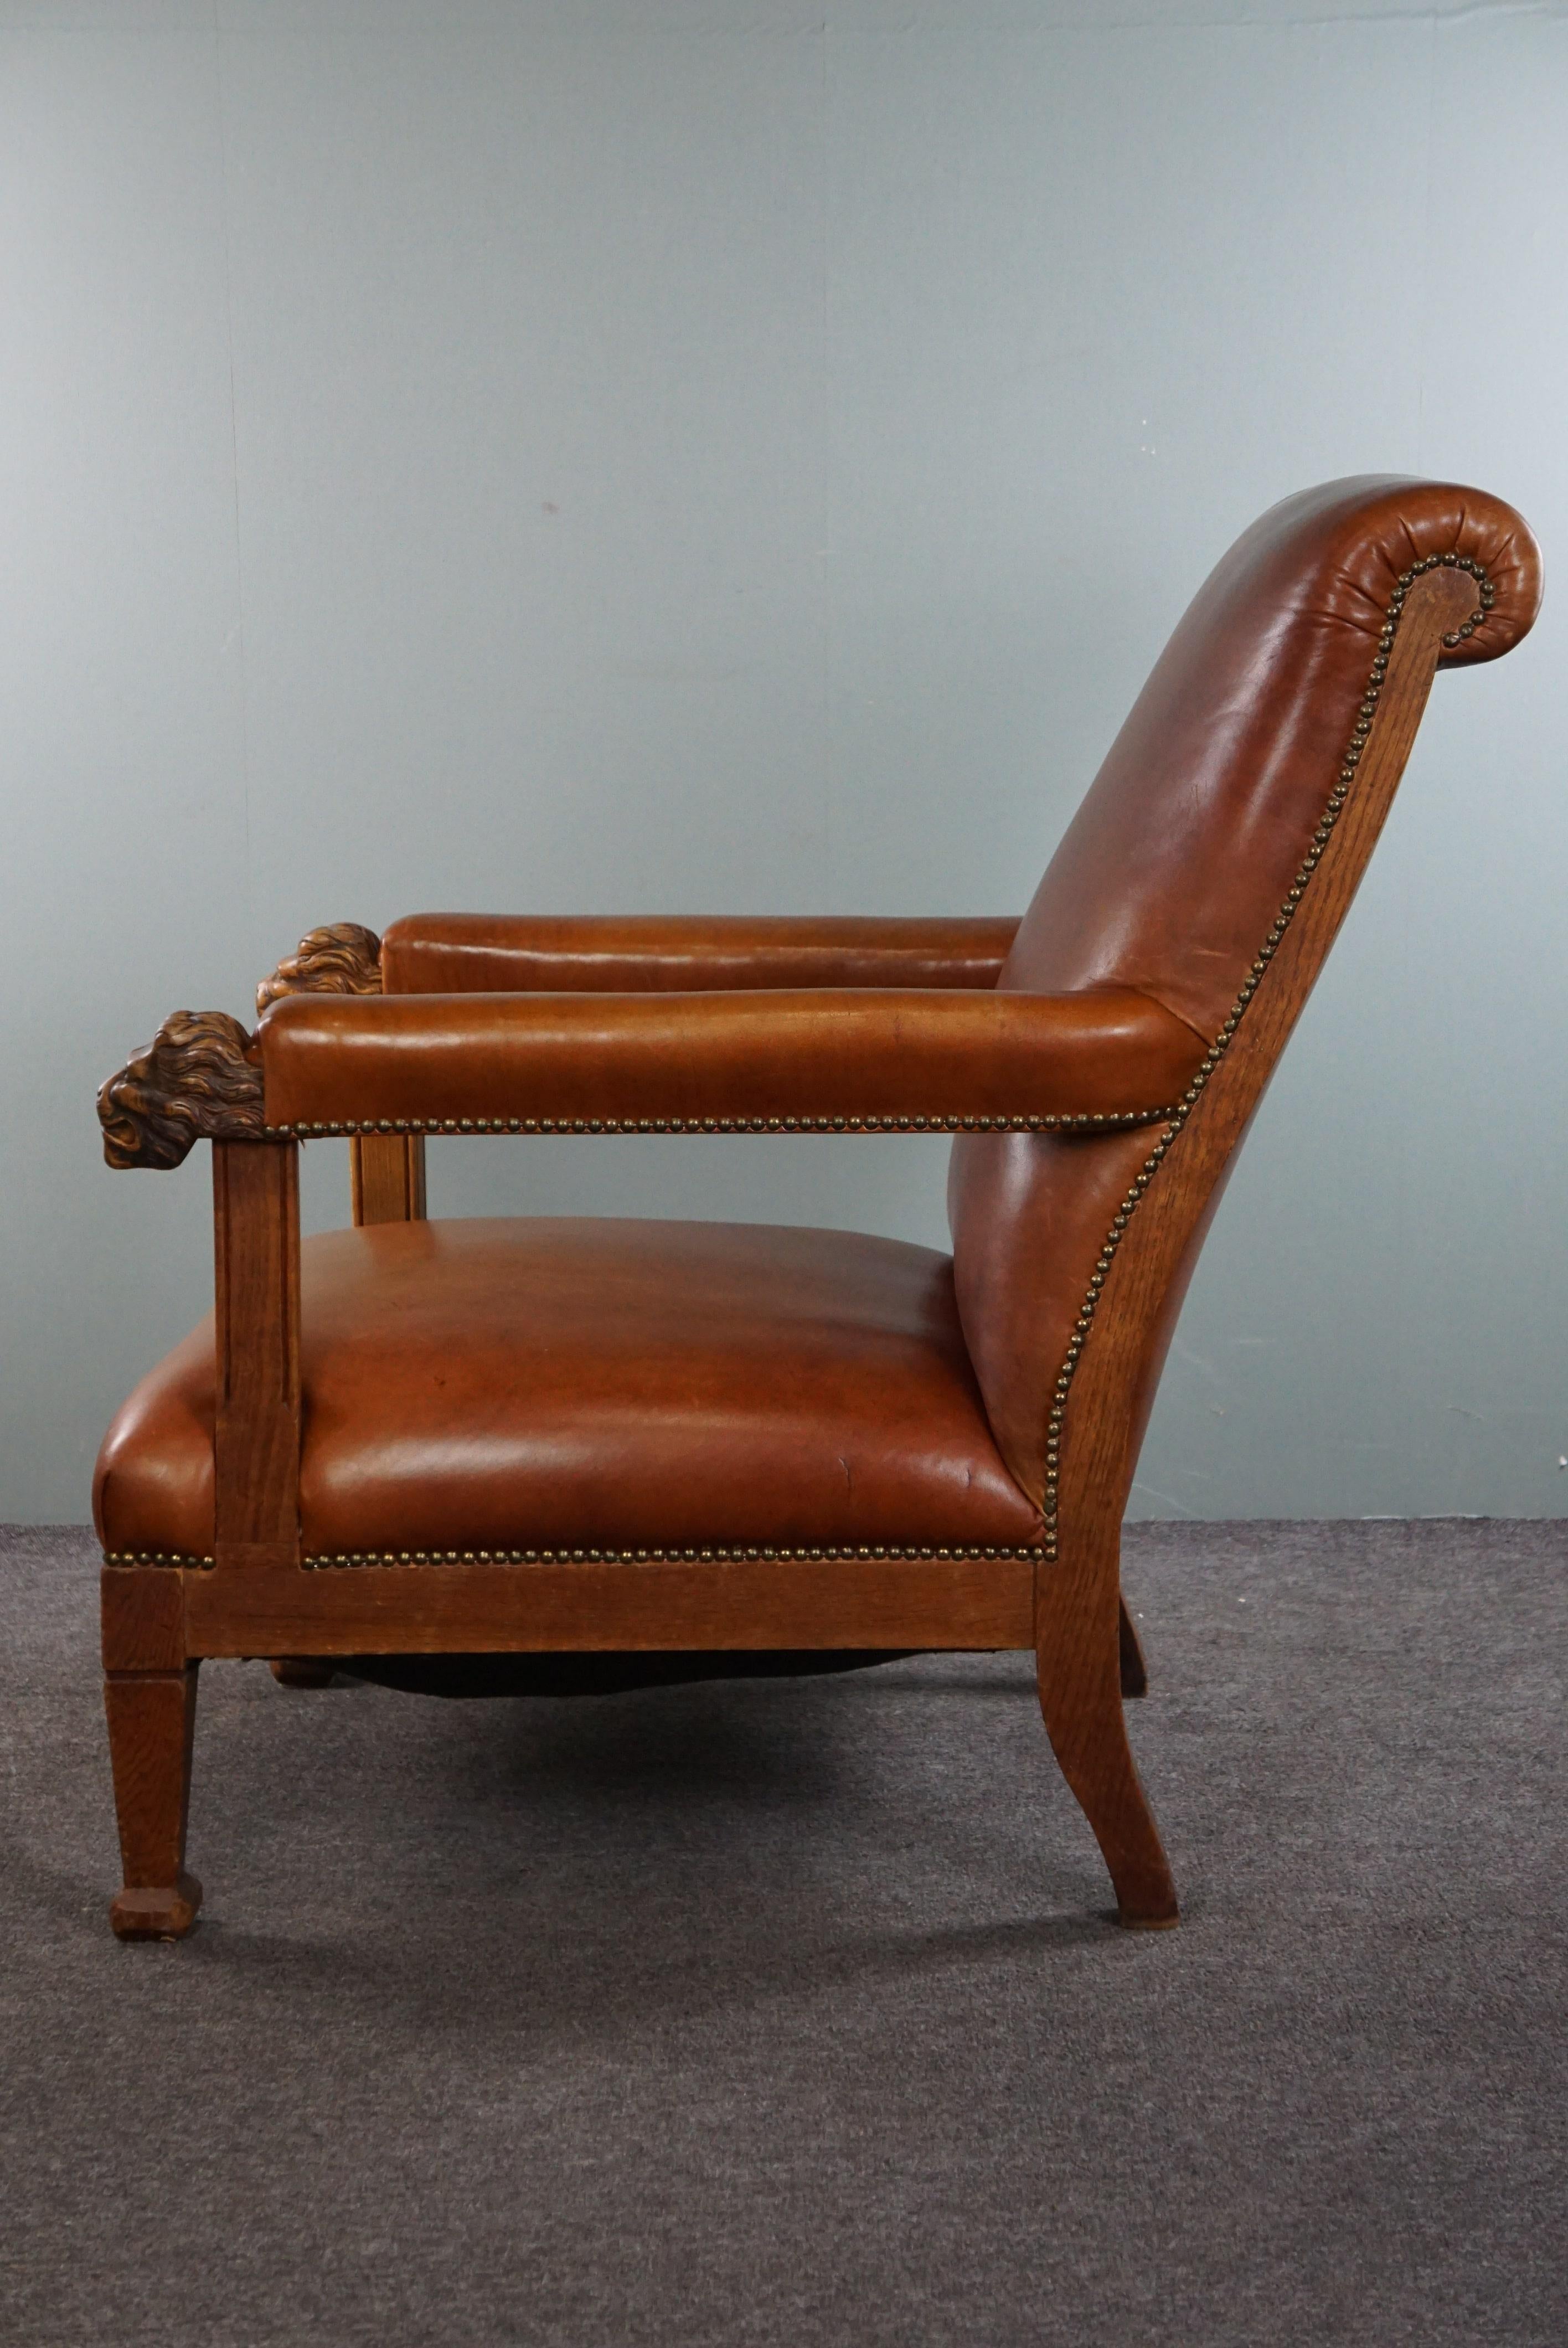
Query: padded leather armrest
[816,1057]
[503,953]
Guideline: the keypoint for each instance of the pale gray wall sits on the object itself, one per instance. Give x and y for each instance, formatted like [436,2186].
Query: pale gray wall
[668,456]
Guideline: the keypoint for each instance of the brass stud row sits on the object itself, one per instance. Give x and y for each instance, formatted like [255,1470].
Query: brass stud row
[709,1556]
[1113,1120]
[715,1556]
[156,1557]
[1359,734]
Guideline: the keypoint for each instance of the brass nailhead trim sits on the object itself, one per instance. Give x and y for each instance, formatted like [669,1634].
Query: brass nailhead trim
[1320,838]
[1112,1120]
[156,1557]
[721,1554]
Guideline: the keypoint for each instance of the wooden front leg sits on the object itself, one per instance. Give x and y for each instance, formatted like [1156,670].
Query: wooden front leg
[152,1720]
[198,1079]
[149,1697]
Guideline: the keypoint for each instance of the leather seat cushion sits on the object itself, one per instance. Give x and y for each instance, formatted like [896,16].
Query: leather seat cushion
[552,1383]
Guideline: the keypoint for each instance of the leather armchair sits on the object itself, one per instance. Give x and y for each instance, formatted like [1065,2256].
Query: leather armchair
[553,1451]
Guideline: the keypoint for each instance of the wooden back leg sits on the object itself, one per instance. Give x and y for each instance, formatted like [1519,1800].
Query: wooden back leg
[1082,1663]
[1135,1671]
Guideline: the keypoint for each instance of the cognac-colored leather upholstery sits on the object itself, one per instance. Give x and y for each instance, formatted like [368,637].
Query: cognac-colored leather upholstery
[611,1392]
[552,1383]
[939,1054]
[502,953]
[1179,860]
[789,1351]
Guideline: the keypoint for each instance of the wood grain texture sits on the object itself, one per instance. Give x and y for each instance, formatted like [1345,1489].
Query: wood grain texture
[340,958]
[256,1227]
[151,1722]
[929,1602]
[1135,1671]
[194,1081]
[1078,1609]
[387,1173]
[143,1611]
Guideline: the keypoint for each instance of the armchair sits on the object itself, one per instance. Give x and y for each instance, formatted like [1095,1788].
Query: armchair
[448,1448]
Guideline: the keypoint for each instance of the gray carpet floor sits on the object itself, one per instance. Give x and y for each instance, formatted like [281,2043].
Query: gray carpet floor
[792,2012]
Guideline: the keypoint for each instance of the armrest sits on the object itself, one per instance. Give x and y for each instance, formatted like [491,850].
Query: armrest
[502,953]
[768,1061]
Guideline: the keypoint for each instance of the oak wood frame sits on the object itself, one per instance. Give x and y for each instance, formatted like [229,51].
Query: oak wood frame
[160,1620]
[386,1178]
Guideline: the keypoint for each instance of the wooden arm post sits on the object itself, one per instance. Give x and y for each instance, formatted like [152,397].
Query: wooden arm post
[256,1239]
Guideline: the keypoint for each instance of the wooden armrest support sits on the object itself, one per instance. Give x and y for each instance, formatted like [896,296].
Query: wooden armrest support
[501,954]
[818,1059]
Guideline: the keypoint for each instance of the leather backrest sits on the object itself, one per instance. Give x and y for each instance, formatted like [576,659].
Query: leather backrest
[1180,859]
